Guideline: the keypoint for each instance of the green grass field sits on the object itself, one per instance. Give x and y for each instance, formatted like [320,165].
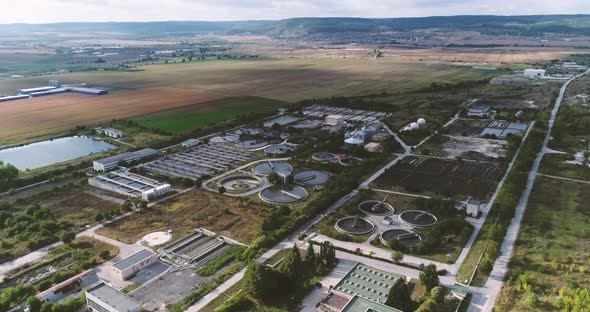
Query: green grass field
[185,119]
[552,247]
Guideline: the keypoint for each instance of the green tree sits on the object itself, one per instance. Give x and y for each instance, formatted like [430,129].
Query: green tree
[292,264]
[400,296]
[260,281]
[99,217]
[4,204]
[397,256]
[274,178]
[427,306]
[34,304]
[67,237]
[429,277]
[221,190]
[127,206]
[437,294]
[8,173]
[310,261]
[104,254]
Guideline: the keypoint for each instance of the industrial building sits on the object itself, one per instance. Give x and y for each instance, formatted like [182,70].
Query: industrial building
[480,111]
[363,288]
[111,162]
[334,120]
[354,138]
[373,147]
[14,97]
[190,143]
[134,263]
[110,132]
[36,90]
[130,184]
[70,287]
[347,114]
[534,73]
[104,298]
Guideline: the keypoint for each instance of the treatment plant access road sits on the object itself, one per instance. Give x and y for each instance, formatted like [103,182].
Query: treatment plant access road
[494,283]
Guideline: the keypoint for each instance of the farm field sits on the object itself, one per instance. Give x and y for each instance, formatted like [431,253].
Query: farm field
[552,248]
[221,214]
[188,118]
[288,79]
[440,176]
[50,114]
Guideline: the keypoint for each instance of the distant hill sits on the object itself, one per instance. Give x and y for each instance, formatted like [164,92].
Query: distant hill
[529,25]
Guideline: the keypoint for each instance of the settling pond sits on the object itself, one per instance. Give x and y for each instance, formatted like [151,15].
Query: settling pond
[49,152]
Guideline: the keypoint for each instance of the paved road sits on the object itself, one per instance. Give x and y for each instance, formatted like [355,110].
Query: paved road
[496,279]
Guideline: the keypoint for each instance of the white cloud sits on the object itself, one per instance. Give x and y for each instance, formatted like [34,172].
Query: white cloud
[42,11]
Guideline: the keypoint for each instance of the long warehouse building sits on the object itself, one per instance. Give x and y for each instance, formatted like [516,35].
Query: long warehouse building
[111,162]
[130,184]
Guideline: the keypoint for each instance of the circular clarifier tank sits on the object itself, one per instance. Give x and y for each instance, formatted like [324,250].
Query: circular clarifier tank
[417,218]
[350,161]
[407,238]
[251,144]
[276,150]
[311,177]
[355,225]
[240,183]
[267,167]
[324,157]
[283,194]
[376,208]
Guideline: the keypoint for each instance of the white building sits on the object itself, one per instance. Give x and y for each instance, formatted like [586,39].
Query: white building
[110,132]
[134,263]
[480,111]
[354,138]
[373,147]
[70,287]
[111,162]
[534,73]
[334,120]
[104,298]
[130,184]
[190,143]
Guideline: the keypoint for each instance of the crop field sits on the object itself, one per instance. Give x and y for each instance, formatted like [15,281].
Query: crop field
[551,251]
[188,118]
[490,56]
[441,176]
[284,79]
[221,214]
[51,114]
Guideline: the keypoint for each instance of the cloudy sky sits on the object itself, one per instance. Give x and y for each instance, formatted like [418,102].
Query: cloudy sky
[44,11]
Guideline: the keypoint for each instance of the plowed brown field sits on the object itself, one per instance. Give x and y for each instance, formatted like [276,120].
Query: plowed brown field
[35,117]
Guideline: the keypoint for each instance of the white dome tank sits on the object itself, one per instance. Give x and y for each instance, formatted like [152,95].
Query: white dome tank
[421,121]
[407,129]
[414,126]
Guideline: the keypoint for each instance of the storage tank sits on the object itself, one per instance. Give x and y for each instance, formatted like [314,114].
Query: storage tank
[421,121]
[414,126]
